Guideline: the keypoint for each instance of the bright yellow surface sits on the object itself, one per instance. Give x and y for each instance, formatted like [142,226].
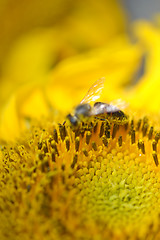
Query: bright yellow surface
[36,49]
[100,180]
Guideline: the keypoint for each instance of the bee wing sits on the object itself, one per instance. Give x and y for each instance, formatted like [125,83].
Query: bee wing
[94,92]
[119,103]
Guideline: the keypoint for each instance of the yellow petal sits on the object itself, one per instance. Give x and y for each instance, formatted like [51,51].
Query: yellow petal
[28,61]
[34,105]
[72,78]
[117,62]
[28,102]
[9,121]
[31,55]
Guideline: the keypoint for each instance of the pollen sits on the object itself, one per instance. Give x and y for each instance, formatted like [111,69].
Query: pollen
[100,180]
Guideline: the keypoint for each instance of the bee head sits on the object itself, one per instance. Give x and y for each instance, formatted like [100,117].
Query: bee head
[73,119]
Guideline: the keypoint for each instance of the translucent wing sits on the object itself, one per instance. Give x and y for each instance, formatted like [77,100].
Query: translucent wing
[94,92]
[119,103]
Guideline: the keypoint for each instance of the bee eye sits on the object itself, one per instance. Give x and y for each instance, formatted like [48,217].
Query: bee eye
[83,109]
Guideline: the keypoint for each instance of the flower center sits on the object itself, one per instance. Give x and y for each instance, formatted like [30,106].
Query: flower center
[100,179]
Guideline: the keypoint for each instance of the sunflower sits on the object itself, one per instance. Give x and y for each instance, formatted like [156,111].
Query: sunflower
[99,179]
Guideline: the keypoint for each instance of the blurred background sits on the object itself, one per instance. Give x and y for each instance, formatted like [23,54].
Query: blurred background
[38,35]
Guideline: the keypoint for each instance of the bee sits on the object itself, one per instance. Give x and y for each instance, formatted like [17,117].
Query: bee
[99,110]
